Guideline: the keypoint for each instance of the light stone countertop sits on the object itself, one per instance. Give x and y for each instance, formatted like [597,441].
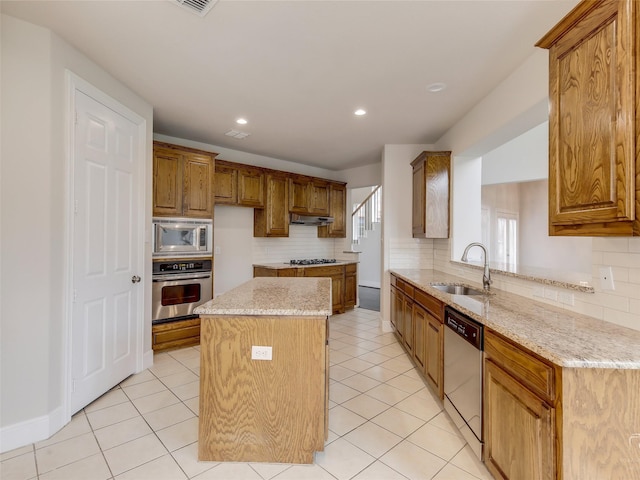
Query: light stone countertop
[280,265]
[565,338]
[299,296]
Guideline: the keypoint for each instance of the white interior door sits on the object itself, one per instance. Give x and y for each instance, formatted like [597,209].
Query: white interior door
[105,258]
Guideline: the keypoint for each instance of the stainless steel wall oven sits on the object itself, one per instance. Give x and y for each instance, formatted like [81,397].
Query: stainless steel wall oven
[179,287]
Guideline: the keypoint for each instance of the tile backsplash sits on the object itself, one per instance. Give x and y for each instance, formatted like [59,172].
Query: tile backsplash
[620,306]
[303,242]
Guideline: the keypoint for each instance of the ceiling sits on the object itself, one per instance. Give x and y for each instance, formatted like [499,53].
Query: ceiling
[297,70]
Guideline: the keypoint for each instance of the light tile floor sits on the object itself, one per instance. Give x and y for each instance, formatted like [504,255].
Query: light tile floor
[384,424]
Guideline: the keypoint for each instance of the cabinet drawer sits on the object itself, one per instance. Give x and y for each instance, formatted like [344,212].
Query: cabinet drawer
[530,370]
[405,287]
[430,303]
[323,271]
[176,334]
[351,268]
[394,280]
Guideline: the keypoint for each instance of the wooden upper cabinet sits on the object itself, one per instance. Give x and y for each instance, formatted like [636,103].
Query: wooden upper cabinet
[182,181]
[273,220]
[430,206]
[237,184]
[308,195]
[299,193]
[319,193]
[593,75]
[338,210]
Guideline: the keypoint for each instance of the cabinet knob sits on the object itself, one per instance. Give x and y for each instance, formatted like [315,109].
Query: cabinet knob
[135,279]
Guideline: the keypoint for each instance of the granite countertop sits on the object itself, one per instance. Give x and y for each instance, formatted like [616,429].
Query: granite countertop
[300,296]
[279,265]
[565,338]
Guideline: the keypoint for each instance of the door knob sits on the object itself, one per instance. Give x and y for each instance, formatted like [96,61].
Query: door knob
[135,279]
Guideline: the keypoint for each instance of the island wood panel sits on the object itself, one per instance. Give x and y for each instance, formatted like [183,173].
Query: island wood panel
[256,410]
[601,424]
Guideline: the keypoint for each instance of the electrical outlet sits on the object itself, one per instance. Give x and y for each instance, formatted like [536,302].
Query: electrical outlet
[217,250]
[538,291]
[261,353]
[606,278]
[550,294]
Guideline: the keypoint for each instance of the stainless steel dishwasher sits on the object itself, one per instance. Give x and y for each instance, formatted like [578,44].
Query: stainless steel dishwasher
[463,345]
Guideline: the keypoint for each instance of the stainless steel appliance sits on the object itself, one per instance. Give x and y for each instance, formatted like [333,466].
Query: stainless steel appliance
[182,237]
[178,288]
[463,346]
[312,261]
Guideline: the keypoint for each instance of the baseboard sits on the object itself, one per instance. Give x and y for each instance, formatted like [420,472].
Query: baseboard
[147,360]
[386,326]
[32,431]
[371,284]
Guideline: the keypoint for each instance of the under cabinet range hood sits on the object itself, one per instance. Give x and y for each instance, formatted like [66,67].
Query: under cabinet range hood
[314,220]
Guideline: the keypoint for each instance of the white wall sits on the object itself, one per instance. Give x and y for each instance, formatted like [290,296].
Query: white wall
[399,248]
[33,260]
[522,159]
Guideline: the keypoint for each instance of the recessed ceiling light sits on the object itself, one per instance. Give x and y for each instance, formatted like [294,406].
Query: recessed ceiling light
[241,121]
[436,87]
[360,112]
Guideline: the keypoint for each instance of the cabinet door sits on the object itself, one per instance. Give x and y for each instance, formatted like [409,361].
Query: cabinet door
[319,197]
[434,356]
[419,335]
[430,200]
[336,273]
[198,185]
[226,185]
[518,429]
[337,209]
[167,182]
[299,194]
[407,323]
[592,123]
[273,219]
[393,313]
[351,286]
[250,188]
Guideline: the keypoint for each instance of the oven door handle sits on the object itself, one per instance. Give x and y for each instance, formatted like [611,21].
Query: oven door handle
[180,276]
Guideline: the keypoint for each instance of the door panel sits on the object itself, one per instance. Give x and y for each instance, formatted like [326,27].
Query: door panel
[105,250]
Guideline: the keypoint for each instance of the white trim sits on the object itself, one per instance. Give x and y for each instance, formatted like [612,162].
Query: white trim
[32,430]
[370,284]
[78,84]
[386,326]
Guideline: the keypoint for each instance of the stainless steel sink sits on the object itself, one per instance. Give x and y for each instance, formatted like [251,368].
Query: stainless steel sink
[459,290]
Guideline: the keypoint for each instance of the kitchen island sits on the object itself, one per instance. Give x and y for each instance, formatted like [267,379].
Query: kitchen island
[264,371]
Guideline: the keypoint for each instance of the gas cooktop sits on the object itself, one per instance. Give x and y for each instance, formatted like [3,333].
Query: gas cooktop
[312,261]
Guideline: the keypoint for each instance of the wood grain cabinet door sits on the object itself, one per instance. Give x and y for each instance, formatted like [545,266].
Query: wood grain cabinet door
[319,197]
[518,429]
[338,210]
[434,353]
[226,185]
[430,200]
[592,124]
[167,182]
[273,219]
[419,335]
[198,185]
[250,187]
[299,194]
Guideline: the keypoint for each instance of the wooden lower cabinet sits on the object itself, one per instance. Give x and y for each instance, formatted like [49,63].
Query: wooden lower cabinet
[350,286]
[518,429]
[336,273]
[182,333]
[434,354]
[519,390]
[416,318]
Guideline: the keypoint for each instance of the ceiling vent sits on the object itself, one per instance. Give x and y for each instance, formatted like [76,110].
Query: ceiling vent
[199,7]
[237,134]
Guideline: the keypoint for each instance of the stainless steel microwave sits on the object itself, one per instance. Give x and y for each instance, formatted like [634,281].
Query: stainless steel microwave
[182,237]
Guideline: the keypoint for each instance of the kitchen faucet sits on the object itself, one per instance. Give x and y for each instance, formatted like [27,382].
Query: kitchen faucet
[486,276]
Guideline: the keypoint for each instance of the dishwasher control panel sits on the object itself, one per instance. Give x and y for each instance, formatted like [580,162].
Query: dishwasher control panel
[465,327]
